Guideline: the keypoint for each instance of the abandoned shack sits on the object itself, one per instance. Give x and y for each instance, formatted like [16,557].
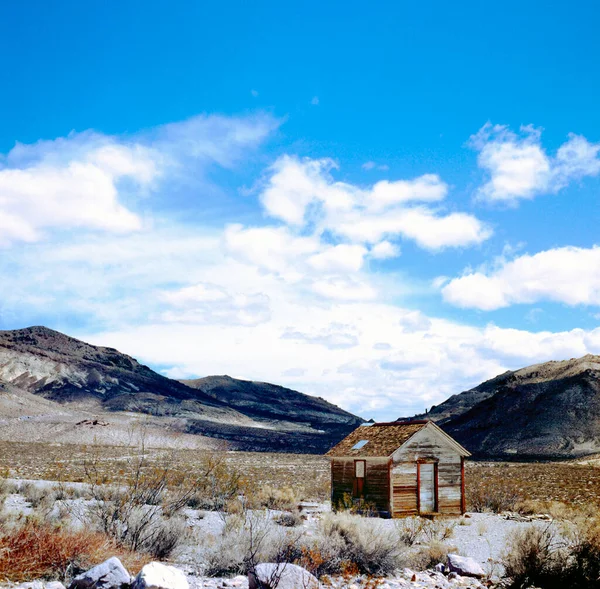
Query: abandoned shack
[400,469]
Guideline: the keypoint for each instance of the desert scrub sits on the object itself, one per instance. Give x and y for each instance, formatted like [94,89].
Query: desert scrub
[142,507]
[33,550]
[288,519]
[247,539]
[370,545]
[283,499]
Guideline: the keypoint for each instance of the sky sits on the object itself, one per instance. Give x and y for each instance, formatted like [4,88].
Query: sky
[381,204]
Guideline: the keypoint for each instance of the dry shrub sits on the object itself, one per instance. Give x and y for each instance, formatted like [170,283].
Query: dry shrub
[356,506]
[37,551]
[369,544]
[247,539]
[142,509]
[288,519]
[537,557]
[428,556]
[413,530]
[282,498]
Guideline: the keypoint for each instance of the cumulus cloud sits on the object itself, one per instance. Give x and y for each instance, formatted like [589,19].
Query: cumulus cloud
[85,180]
[569,275]
[302,193]
[519,168]
[80,193]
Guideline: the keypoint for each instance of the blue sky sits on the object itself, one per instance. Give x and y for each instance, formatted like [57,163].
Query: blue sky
[382,205]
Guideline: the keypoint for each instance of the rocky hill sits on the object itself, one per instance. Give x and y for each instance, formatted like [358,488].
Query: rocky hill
[549,410]
[75,379]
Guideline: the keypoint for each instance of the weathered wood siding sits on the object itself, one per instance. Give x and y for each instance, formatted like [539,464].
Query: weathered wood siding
[404,489]
[427,446]
[376,486]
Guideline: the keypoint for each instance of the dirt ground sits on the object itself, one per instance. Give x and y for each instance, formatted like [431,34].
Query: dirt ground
[309,475]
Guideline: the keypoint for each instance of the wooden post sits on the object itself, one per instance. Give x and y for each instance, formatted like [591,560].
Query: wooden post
[418,487]
[463,499]
[435,487]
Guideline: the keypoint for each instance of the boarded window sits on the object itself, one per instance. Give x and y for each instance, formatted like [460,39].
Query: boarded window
[359,467]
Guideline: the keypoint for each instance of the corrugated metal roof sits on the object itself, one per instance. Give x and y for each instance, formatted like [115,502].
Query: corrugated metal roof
[383,439]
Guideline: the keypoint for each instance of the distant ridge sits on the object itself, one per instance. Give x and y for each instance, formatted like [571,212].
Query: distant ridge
[549,410]
[38,362]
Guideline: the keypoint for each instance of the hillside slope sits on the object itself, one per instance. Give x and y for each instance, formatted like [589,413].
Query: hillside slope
[262,400]
[549,410]
[74,377]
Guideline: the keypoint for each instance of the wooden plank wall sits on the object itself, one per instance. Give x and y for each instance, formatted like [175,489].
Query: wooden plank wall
[426,445]
[376,484]
[342,479]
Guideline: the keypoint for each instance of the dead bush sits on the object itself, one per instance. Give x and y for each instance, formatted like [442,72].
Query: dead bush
[356,506]
[537,557]
[282,498]
[246,540]
[288,519]
[428,556]
[39,551]
[369,544]
[410,529]
[38,495]
[140,509]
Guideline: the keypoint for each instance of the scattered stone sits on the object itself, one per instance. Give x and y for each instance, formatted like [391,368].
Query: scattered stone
[110,574]
[281,576]
[465,566]
[160,576]
[440,567]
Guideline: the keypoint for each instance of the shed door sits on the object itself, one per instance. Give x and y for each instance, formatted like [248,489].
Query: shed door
[427,487]
[360,467]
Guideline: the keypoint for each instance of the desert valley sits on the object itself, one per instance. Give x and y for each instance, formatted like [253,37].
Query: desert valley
[232,473]
[299,295]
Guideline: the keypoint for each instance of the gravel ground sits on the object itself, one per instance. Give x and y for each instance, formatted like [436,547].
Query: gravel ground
[481,536]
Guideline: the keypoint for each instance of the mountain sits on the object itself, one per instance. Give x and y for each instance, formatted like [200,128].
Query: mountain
[51,382]
[549,410]
[261,400]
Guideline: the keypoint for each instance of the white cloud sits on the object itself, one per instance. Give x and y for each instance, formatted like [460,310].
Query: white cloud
[519,167]
[384,250]
[210,304]
[339,257]
[568,275]
[315,101]
[82,193]
[344,289]
[302,193]
[84,180]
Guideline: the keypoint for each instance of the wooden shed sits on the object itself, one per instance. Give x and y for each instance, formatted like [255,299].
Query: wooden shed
[400,468]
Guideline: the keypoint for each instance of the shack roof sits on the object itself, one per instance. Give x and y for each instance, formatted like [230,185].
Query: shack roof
[383,439]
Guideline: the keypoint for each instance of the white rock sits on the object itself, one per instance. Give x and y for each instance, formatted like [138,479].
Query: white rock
[465,566]
[160,576]
[281,576]
[108,575]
